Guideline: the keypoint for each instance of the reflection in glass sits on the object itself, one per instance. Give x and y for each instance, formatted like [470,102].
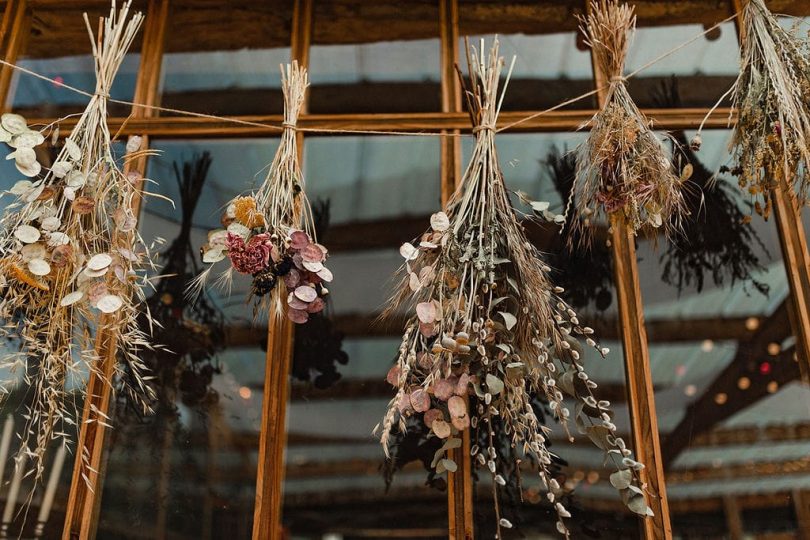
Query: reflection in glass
[731,404]
[189,471]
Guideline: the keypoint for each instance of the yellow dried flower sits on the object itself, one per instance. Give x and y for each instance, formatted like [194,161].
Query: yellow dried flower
[246,214]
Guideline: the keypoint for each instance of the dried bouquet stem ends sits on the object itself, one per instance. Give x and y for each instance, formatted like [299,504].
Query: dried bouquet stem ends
[488,331]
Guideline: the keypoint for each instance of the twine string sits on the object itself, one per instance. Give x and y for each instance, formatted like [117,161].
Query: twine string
[288,125]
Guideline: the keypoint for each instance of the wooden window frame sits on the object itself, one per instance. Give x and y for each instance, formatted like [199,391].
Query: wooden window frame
[82,517]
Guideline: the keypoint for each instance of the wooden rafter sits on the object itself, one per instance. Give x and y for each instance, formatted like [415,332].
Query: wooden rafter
[705,413]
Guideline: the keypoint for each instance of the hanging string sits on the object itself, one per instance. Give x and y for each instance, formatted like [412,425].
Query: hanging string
[279,128]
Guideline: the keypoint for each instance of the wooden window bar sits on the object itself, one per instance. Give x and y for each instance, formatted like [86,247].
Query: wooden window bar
[84,504]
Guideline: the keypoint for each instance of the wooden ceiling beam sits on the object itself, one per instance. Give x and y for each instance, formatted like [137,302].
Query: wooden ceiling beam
[705,412]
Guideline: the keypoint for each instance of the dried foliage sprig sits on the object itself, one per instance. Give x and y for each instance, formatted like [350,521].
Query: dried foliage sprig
[622,168]
[486,317]
[71,261]
[270,234]
[771,137]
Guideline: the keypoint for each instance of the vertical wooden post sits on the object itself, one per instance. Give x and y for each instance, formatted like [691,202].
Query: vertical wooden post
[84,499]
[273,436]
[459,483]
[734,522]
[640,393]
[14,30]
[801,505]
[787,213]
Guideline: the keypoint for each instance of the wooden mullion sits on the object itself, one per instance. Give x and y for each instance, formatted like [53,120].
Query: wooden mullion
[569,120]
[267,512]
[792,239]
[460,483]
[639,383]
[84,499]
[14,31]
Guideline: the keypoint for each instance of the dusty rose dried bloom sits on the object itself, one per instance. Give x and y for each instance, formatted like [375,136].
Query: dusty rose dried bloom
[251,257]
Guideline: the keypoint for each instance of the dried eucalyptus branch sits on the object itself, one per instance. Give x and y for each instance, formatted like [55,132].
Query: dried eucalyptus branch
[772,97]
[71,259]
[263,235]
[622,168]
[486,316]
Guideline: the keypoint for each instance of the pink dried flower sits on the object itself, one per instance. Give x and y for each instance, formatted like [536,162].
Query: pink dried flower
[251,257]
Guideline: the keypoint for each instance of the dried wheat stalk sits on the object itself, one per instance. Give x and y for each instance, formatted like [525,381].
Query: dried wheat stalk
[72,259]
[485,316]
[622,168]
[771,138]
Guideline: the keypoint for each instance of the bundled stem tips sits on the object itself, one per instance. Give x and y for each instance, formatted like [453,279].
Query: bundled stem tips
[270,234]
[623,169]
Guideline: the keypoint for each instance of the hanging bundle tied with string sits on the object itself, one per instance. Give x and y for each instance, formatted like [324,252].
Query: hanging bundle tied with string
[270,234]
[72,261]
[488,331]
[771,141]
[623,169]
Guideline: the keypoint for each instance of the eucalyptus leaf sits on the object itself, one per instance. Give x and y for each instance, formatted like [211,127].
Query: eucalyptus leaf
[494,384]
[621,479]
[509,320]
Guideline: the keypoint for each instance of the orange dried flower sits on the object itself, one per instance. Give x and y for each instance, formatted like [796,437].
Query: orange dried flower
[246,214]
[23,276]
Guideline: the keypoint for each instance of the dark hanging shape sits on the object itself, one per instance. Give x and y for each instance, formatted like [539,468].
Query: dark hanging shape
[717,240]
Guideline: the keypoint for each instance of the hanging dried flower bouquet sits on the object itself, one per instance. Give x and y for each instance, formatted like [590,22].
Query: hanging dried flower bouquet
[263,237]
[622,168]
[71,256]
[488,329]
[771,138]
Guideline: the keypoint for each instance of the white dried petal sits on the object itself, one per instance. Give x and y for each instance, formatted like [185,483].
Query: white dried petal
[5,136]
[313,266]
[39,267]
[217,238]
[239,230]
[439,222]
[99,261]
[87,273]
[306,293]
[505,523]
[71,298]
[70,193]
[134,144]
[27,139]
[50,223]
[33,251]
[13,123]
[408,251]
[73,149]
[213,255]
[75,179]
[109,303]
[21,187]
[58,239]
[61,168]
[325,274]
[27,234]
[30,171]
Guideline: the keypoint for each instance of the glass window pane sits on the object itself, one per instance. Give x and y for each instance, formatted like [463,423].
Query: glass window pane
[226,60]
[381,192]
[378,58]
[59,47]
[702,70]
[190,470]
[729,398]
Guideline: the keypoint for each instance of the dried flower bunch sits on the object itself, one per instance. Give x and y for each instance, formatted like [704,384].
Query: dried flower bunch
[488,329]
[772,96]
[71,257]
[263,235]
[622,168]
